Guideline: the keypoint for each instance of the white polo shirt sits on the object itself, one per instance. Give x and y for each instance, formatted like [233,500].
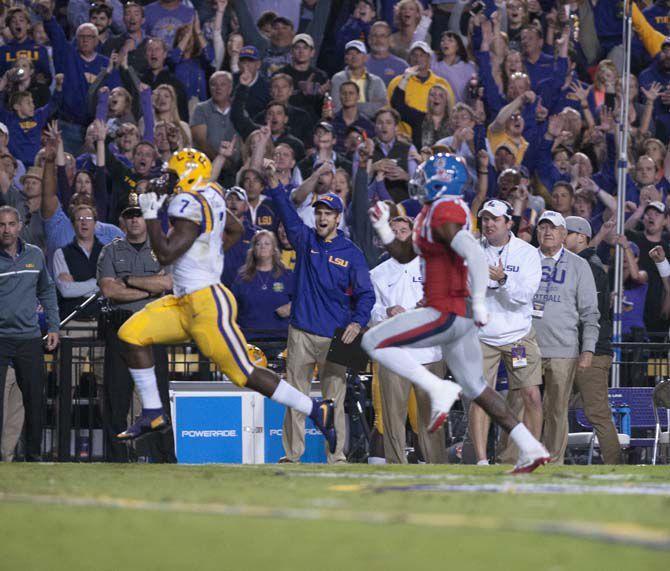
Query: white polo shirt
[400,284]
[511,304]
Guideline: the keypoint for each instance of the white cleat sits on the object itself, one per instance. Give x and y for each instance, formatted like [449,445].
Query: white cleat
[529,461]
[441,402]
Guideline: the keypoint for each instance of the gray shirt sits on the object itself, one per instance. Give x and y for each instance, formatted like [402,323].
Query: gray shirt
[219,125]
[375,93]
[569,299]
[24,281]
[119,259]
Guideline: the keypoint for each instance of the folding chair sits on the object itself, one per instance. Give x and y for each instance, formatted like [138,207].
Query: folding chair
[661,400]
[588,438]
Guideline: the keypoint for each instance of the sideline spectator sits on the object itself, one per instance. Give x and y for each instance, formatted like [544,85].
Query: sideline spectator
[74,267]
[565,318]
[592,383]
[263,289]
[129,276]
[654,234]
[398,288]
[514,276]
[333,290]
[20,336]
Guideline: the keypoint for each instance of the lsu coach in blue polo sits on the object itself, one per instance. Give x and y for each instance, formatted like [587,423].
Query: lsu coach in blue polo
[332,289]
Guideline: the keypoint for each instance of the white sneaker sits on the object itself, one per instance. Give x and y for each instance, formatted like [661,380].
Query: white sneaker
[529,461]
[441,402]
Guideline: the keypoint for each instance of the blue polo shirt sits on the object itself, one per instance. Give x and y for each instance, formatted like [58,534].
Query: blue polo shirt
[257,301]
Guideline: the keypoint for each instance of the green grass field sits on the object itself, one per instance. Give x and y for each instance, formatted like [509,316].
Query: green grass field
[117,517]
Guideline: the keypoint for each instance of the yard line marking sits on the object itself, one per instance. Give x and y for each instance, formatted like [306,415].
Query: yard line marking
[617,533]
[518,487]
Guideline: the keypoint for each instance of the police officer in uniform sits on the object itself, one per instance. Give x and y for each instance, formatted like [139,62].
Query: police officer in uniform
[129,277]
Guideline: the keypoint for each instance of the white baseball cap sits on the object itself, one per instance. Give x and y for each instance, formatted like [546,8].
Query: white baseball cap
[356,45]
[554,217]
[423,46]
[4,129]
[497,208]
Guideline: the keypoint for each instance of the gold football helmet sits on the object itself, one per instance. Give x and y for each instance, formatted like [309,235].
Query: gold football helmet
[193,168]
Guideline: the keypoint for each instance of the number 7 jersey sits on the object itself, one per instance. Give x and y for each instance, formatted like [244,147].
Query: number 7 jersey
[201,265]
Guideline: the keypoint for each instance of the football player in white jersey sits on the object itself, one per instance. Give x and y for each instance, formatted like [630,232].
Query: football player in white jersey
[201,309]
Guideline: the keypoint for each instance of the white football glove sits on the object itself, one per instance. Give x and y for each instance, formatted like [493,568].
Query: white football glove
[380,214]
[479,312]
[151,203]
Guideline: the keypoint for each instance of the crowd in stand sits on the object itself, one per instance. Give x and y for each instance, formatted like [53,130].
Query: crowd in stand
[342,99]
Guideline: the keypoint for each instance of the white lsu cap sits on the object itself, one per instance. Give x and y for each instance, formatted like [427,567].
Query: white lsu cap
[554,217]
[497,208]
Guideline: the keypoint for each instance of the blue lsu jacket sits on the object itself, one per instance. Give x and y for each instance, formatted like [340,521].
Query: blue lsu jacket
[332,279]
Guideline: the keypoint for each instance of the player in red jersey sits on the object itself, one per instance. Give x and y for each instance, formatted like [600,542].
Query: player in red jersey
[452,308]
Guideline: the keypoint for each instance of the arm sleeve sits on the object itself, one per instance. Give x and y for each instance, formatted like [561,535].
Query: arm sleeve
[105,266]
[295,227]
[248,27]
[317,26]
[465,245]
[239,115]
[361,229]
[378,313]
[61,48]
[101,106]
[587,307]
[651,38]
[147,115]
[46,294]
[492,96]
[408,114]
[71,289]
[520,287]
[377,97]
[100,193]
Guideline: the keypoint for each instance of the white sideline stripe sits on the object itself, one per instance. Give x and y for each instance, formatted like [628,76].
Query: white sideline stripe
[19,272]
[617,533]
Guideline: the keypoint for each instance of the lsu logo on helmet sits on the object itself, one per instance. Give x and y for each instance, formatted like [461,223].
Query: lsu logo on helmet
[193,168]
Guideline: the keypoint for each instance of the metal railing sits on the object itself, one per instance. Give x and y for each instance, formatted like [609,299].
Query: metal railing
[75,397]
[74,428]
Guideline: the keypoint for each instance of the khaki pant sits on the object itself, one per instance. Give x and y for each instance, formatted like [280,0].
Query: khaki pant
[395,391]
[559,375]
[528,376]
[303,352]
[592,385]
[12,417]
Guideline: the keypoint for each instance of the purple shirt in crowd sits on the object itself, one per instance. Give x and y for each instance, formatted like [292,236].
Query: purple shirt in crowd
[162,23]
[386,68]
